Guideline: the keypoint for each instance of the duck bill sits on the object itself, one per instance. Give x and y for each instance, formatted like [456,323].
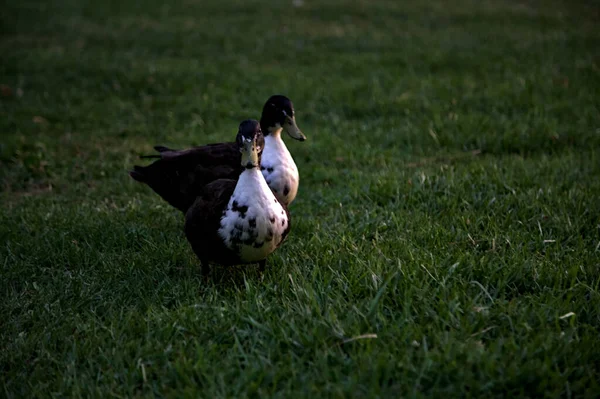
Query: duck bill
[292,129]
[250,157]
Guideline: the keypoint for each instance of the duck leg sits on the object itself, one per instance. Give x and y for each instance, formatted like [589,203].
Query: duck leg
[205,268]
[261,266]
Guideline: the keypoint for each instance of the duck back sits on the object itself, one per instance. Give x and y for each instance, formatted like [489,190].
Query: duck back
[179,176]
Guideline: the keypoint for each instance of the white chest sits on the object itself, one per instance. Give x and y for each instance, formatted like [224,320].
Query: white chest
[254,222]
[279,169]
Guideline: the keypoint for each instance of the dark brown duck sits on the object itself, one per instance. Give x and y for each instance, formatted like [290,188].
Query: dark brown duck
[178,176]
[238,221]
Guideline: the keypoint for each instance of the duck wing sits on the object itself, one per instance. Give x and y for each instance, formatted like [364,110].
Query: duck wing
[179,176]
[203,220]
[161,149]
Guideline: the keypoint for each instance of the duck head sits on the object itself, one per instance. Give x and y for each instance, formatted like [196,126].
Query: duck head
[250,141]
[278,113]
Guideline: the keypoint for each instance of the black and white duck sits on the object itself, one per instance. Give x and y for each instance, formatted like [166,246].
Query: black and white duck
[179,175]
[238,221]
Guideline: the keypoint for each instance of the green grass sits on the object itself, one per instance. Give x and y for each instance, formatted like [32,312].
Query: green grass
[449,199]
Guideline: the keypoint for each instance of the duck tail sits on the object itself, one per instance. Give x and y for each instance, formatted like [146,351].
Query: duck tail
[163,183]
[138,174]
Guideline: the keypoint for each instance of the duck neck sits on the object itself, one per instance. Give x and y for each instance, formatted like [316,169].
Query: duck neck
[251,185]
[250,176]
[275,151]
[268,131]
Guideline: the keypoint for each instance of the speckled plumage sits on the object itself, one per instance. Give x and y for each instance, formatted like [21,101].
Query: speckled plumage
[237,222]
[254,223]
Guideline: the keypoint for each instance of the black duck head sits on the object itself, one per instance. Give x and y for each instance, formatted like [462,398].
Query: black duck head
[278,112]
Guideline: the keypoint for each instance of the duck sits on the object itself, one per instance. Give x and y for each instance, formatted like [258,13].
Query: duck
[238,221]
[179,175]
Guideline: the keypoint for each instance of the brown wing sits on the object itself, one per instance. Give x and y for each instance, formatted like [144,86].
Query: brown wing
[203,220]
[180,175]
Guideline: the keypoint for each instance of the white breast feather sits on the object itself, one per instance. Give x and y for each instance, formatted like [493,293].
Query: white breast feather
[267,213]
[279,169]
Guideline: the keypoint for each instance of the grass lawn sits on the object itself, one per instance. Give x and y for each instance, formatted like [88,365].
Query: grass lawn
[446,235]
